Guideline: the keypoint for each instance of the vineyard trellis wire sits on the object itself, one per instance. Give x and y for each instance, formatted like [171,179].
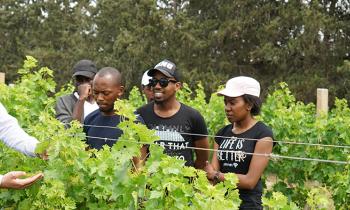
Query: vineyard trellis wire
[273,156]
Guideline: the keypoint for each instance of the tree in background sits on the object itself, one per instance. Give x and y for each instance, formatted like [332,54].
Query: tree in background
[305,43]
[57,32]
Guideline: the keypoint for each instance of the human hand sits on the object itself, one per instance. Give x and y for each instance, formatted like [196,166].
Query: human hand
[210,170]
[84,91]
[43,156]
[11,180]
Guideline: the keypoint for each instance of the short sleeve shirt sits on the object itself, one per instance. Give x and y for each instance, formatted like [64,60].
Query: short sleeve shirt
[176,132]
[102,130]
[234,155]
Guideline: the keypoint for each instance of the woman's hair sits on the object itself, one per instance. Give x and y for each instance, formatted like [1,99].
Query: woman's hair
[254,101]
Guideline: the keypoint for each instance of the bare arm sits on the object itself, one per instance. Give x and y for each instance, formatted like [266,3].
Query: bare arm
[84,92]
[140,161]
[257,164]
[214,160]
[78,110]
[201,155]
[213,168]
[256,167]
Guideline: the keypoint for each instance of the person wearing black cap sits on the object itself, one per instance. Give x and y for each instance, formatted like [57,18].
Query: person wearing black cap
[178,125]
[80,103]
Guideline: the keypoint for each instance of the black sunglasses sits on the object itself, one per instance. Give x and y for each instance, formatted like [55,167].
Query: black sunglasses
[162,81]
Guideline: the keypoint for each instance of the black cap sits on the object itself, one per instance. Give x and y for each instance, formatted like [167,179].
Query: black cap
[85,68]
[166,67]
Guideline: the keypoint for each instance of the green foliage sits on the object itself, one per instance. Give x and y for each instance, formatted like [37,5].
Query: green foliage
[295,121]
[340,187]
[136,99]
[305,43]
[279,201]
[104,179]
[29,96]
[108,179]
[320,198]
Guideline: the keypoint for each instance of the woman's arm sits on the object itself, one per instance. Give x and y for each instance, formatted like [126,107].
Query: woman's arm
[257,164]
[256,167]
[214,159]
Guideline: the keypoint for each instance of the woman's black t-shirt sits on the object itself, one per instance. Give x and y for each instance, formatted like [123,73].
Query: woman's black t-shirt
[233,157]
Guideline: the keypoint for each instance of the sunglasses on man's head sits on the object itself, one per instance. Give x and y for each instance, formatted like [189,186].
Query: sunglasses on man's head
[162,81]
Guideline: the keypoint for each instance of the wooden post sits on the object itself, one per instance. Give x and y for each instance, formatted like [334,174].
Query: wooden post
[2,78]
[322,101]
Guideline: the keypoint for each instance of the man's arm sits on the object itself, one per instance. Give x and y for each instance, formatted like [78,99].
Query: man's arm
[63,114]
[78,110]
[201,155]
[14,136]
[201,141]
[84,91]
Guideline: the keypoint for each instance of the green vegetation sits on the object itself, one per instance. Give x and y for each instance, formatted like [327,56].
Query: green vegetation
[105,179]
[109,180]
[303,43]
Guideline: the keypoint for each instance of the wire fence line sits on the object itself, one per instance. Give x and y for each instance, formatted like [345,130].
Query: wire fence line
[270,155]
[248,139]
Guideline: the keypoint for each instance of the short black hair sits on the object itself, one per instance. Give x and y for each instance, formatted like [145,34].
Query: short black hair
[116,75]
[255,102]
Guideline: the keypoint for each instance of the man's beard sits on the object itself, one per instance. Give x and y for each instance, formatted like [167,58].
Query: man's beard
[157,102]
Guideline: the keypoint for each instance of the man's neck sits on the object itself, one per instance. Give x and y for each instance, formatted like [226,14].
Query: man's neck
[167,108]
[109,113]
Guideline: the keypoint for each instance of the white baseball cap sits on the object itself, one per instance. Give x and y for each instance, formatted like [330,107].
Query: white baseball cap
[241,85]
[145,78]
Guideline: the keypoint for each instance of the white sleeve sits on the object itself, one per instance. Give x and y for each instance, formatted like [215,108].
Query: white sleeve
[14,136]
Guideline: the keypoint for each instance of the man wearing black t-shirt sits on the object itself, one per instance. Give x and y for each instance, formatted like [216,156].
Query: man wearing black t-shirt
[175,123]
[107,88]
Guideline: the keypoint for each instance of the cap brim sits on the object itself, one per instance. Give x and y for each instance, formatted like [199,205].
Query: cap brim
[151,72]
[229,93]
[84,73]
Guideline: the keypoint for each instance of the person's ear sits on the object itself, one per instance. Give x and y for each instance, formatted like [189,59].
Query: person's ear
[121,91]
[249,107]
[178,86]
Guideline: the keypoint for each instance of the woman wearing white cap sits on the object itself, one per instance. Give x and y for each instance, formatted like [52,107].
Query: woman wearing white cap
[236,142]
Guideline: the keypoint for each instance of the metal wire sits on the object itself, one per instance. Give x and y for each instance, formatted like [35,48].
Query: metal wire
[276,156]
[248,139]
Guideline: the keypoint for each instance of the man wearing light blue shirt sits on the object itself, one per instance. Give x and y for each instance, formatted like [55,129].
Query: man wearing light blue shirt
[15,137]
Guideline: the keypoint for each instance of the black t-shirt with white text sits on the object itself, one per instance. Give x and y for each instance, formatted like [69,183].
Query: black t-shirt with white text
[171,130]
[233,157]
